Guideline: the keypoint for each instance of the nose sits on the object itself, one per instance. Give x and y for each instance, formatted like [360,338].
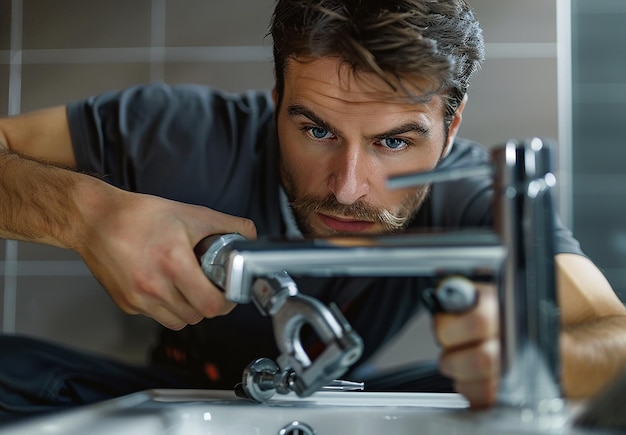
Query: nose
[348,179]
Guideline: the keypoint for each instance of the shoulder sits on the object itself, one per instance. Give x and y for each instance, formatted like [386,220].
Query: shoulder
[162,97]
[465,152]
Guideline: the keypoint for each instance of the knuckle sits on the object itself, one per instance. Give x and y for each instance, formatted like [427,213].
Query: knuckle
[175,325]
[484,361]
[145,288]
[128,307]
[210,310]
[191,316]
[171,259]
[248,228]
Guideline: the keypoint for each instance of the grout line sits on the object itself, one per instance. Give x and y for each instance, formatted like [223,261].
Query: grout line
[157,40]
[564,111]
[9,296]
[46,268]
[143,54]
[9,306]
[236,53]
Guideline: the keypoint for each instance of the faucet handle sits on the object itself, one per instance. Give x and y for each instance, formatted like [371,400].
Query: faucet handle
[212,253]
[453,294]
[438,175]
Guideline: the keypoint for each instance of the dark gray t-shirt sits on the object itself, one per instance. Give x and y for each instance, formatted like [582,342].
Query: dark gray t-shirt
[201,146]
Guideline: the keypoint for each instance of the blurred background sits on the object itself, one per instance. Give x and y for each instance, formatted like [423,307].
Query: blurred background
[554,68]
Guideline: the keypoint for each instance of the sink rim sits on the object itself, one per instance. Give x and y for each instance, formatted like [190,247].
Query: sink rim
[147,407]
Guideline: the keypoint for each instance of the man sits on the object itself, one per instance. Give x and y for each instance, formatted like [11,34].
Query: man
[364,90]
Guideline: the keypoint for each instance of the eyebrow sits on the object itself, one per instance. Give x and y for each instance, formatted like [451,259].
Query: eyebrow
[299,110]
[410,127]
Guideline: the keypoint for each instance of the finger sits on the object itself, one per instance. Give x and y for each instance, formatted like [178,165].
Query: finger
[474,363]
[222,223]
[162,302]
[480,394]
[166,318]
[478,324]
[196,292]
[178,305]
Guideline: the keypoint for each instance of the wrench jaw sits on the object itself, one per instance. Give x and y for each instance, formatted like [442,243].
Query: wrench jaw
[342,345]
[277,296]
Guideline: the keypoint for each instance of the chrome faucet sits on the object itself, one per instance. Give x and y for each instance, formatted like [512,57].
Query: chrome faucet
[529,313]
[520,252]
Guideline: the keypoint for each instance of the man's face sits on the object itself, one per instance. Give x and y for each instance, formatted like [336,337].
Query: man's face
[341,136]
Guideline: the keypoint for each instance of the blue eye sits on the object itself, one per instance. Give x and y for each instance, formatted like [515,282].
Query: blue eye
[393,143]
[319,133]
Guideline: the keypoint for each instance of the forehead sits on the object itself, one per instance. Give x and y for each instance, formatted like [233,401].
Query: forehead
[330,81]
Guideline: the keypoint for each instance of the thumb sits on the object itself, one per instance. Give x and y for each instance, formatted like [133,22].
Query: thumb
[213,222]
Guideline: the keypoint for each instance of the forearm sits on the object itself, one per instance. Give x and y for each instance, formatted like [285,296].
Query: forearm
[39,202]
[592,353]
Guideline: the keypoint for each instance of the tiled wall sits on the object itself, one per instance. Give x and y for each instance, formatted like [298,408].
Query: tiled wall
[74,48]
[599,109]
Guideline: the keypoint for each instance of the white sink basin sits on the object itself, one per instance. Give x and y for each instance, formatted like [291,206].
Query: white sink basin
[209,412]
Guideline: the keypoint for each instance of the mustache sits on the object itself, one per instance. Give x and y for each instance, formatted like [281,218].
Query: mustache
[359,210]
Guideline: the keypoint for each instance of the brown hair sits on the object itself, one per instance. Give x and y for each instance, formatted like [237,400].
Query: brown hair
[437,40]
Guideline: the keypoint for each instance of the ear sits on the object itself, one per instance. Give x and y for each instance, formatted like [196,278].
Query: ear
[275,96]
[455,124]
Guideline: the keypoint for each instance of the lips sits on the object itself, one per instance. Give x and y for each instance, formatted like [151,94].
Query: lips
[345,224]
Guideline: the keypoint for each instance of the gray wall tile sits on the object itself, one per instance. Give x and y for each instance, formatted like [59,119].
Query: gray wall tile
[599,85]
[517,21]
[77,312]
[599,226]
[230,76]
[599,218]
[600,56]
[46,85]
[4,90]
[39,252]
[598,148]
[84,24]
[512,98]
[233,22]
[5,24]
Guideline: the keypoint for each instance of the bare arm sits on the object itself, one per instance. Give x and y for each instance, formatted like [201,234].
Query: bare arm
[35,197]
[593,341]
[140,247]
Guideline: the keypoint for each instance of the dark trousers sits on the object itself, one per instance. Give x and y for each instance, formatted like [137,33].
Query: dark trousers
[37,377]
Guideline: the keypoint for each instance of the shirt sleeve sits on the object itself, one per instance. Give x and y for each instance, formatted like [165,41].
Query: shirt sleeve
[189,143]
